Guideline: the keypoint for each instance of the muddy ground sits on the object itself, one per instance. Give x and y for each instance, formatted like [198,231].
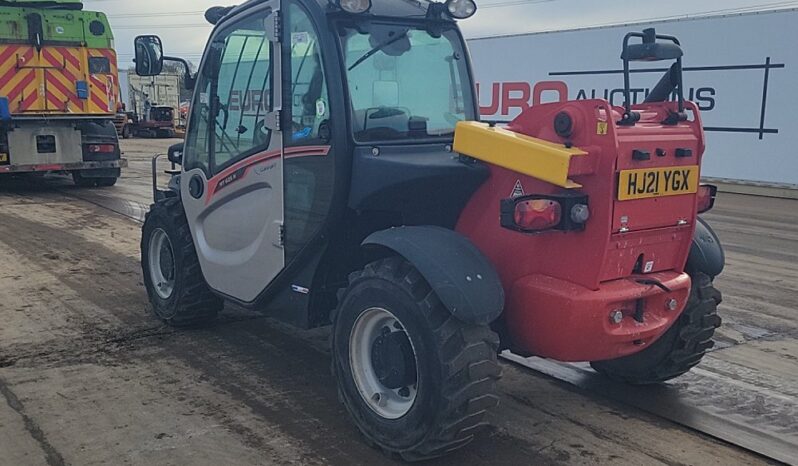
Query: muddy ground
[89,376]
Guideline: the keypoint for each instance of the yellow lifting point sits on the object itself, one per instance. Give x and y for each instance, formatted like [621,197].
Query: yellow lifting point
[530,156]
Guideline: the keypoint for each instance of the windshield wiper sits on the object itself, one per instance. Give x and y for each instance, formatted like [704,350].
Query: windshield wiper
[376,49]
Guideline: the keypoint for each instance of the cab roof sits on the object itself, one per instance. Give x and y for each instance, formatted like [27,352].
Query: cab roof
[391,8]
[66,4]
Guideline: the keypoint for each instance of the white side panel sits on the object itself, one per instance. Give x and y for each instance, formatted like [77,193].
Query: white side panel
[727,75]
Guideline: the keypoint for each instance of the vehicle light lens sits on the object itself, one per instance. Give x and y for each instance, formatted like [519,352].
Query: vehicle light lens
[706,197]
[461,9]
[355,6]
[538,214]
[101,148]
[580,213]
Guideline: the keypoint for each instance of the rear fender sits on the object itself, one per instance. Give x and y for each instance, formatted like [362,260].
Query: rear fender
[706,253]
[461,276]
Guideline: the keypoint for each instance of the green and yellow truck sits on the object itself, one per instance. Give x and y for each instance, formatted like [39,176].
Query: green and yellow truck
[59,92]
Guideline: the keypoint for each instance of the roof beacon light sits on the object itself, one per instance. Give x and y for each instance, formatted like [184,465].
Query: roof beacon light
[461,9]
[355,6]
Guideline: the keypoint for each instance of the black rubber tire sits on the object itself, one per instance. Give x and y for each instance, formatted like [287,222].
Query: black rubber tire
[191,302]
[107,182]
[457,368]
[82,181]
[681,348]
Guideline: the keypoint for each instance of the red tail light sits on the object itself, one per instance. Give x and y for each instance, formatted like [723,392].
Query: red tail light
[706,197]
[538,214]
[101,148]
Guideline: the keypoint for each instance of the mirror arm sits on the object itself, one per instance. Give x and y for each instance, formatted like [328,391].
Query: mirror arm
[190,80]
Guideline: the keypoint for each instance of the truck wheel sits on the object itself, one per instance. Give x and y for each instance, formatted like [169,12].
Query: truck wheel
[107,182]
[680,349]
[83,181]
[172,275]
[417,381]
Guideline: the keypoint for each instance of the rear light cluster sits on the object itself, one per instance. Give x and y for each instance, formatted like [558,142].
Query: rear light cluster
[706,197]
[101,148]
[538,213]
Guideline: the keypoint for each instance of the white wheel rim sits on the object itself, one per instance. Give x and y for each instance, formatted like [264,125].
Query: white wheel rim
[161,255]
[389,403]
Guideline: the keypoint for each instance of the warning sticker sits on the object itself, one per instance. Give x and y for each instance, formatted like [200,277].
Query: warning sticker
[603,128]
[300,38]
[518,190]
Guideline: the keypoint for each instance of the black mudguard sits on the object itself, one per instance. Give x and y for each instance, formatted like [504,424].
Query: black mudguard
[461,276]
[706,253]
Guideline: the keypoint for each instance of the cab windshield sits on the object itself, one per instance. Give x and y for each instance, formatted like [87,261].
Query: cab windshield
[406,82]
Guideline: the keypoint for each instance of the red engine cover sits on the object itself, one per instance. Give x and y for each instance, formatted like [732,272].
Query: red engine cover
[596,265]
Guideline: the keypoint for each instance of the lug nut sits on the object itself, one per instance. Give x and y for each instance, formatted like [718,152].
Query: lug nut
[672,304]
[616,317]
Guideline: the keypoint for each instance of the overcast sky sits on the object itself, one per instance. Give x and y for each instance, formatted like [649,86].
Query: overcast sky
[181,25]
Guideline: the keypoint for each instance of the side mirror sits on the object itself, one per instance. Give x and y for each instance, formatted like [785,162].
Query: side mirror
[149,55]
[175,153]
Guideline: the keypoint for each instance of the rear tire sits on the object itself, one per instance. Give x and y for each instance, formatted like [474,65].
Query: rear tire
[107,182]
[417,381]
[83,181]
[172,275]
[91,182]
[680,349]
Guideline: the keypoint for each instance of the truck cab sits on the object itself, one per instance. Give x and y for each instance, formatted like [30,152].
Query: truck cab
[59,91]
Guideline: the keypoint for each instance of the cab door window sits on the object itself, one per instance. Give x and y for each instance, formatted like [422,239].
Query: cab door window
[309,170]
[233,99]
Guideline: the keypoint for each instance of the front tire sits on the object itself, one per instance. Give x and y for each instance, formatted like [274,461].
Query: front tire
[417,381]
[681,348]
[172,275]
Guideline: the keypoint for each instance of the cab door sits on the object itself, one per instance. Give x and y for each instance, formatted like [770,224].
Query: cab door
[232,184]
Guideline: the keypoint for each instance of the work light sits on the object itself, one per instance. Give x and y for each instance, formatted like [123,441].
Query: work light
[354,6]
[461,9]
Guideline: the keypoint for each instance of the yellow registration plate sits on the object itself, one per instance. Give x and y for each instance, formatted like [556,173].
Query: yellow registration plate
[657,182]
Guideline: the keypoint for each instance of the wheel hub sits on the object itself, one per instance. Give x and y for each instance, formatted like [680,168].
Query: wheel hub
[383,363]
[162,264]
[393,359]
[167,261]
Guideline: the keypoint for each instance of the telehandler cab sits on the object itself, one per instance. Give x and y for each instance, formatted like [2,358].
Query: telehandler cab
[335,172]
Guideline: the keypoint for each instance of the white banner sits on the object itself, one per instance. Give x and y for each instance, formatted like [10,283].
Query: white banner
[740,70]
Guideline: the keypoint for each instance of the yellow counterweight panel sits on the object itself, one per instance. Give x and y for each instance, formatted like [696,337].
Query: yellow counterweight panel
[530,156]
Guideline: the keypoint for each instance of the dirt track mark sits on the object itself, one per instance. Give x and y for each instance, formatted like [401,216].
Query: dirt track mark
[52,455]
[115,282]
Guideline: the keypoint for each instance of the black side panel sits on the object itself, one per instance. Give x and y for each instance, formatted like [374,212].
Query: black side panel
[706,253]
[462,277]
[424,184]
